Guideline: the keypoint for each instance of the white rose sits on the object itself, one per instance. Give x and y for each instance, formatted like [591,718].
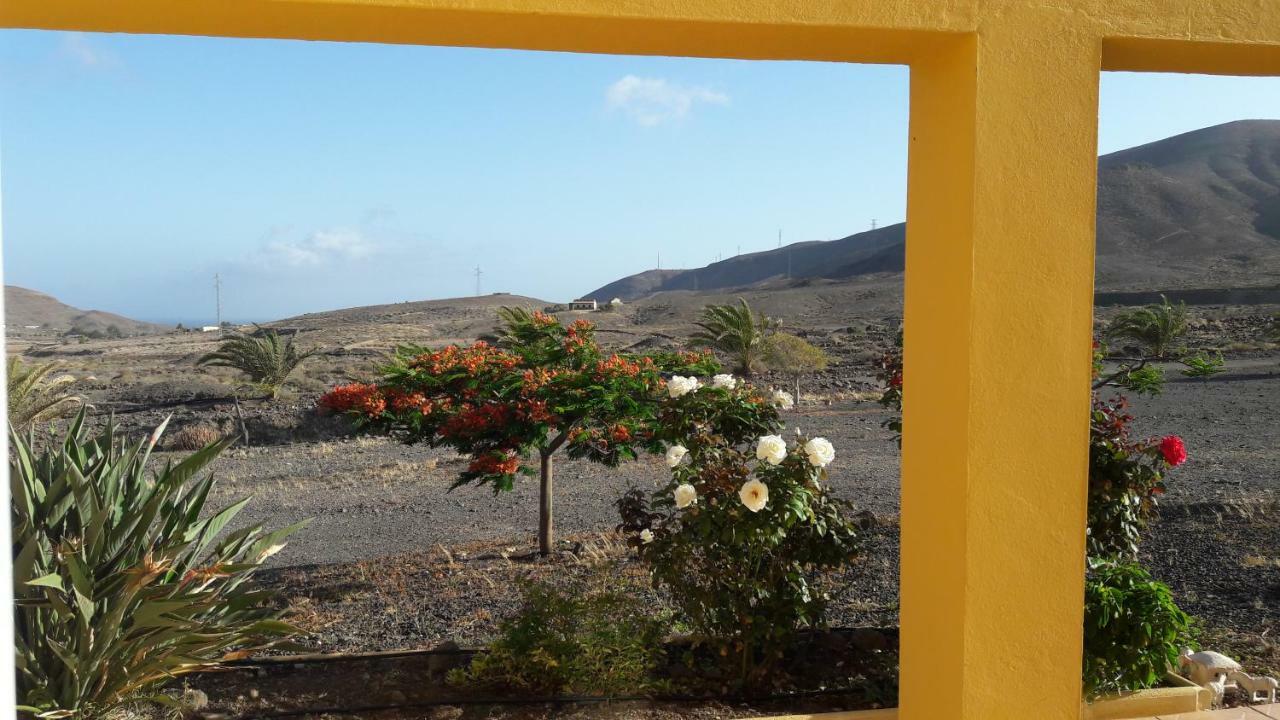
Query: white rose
[820,452]
[675,454]
[783,399]
[754,495]
[686,495]
[728,382]
[772,449]
[679,385]
[646,536]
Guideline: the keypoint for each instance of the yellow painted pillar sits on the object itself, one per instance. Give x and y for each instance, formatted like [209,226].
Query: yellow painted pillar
[998,317]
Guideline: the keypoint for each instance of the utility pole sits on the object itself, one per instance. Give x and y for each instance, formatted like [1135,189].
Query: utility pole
[217,294]
[478,274]
[779,237]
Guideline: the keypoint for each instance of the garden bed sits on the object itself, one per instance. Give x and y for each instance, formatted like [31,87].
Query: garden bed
[832,670]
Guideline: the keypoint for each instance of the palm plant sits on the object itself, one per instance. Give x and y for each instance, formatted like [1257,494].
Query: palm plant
[121,579]
[1156,328]
[267,359]
[735,331]
[34,396]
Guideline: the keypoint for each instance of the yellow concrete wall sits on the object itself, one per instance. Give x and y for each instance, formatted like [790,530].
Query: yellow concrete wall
[999,260]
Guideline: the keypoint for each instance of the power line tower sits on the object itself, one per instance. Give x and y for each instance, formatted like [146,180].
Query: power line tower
[659,259]
[478,274]
[779,237]
[217,294]
[873,223]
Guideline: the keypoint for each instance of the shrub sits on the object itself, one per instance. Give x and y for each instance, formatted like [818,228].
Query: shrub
[737,538]
[571,641]
[120,578]
[735,331]
[193,436]
[794,356]
[265,358]
[544,387]
[34,396]
[1156,328]
[1133,631]
[1126,476]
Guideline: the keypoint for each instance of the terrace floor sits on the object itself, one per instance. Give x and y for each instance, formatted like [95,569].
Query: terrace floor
[1253,712]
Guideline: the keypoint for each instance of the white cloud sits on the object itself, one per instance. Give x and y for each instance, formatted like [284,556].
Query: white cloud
[653,101]
[323,247]
[77,47]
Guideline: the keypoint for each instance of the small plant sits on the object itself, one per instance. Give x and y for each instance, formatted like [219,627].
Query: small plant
[194,436]
[1126,476]
[121,580]
[735,331]
[743,526]
[580,641]
[1202,365]
[794,356]
[1156,328]
[34,396]
[1133,630]
[265,358]
[890,376]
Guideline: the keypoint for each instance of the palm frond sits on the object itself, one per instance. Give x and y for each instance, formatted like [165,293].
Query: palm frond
[735,331]
[34,396]
[265,358]
[1156,328]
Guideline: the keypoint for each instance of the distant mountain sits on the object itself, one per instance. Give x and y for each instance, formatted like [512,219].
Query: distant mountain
[28,311]
[1198,210]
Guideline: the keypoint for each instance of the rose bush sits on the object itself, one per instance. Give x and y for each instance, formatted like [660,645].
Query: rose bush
[739,532]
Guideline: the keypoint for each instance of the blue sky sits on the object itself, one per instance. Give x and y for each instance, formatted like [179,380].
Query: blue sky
[321,175]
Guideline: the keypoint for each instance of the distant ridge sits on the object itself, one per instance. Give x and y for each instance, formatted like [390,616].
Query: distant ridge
[1197,210]
[24,308]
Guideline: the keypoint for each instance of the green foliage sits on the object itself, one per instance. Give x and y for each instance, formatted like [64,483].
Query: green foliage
[890,375]
[1126,476]
[34,396]
[1155,328]
[1133,630]
[735,331]
[579,641]
[1203,365]
[120,578]
[741,579]
[794,356]
[543,387]
[264,357]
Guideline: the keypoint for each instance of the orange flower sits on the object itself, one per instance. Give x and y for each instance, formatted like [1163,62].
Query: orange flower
[356,397]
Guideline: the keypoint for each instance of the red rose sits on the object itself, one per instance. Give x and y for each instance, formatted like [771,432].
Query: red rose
[1173,450]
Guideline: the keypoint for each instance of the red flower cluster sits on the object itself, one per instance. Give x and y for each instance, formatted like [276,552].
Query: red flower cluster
[475,421]
[494,464]
[620,433]
[616,366]
[356,397]
[1173,450]
[480,356]
[402,401]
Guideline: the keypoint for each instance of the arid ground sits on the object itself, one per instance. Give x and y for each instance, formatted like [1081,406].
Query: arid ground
[394,560]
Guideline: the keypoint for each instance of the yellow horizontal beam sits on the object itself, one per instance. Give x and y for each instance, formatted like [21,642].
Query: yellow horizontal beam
[862,31]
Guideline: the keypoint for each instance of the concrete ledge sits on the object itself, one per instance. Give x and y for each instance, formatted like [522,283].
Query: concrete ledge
[1178,695]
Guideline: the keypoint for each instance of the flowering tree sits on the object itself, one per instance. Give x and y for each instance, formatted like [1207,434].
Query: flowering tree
[543,386]
[743,523]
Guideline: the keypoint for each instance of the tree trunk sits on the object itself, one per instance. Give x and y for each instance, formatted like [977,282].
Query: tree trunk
[546,531]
